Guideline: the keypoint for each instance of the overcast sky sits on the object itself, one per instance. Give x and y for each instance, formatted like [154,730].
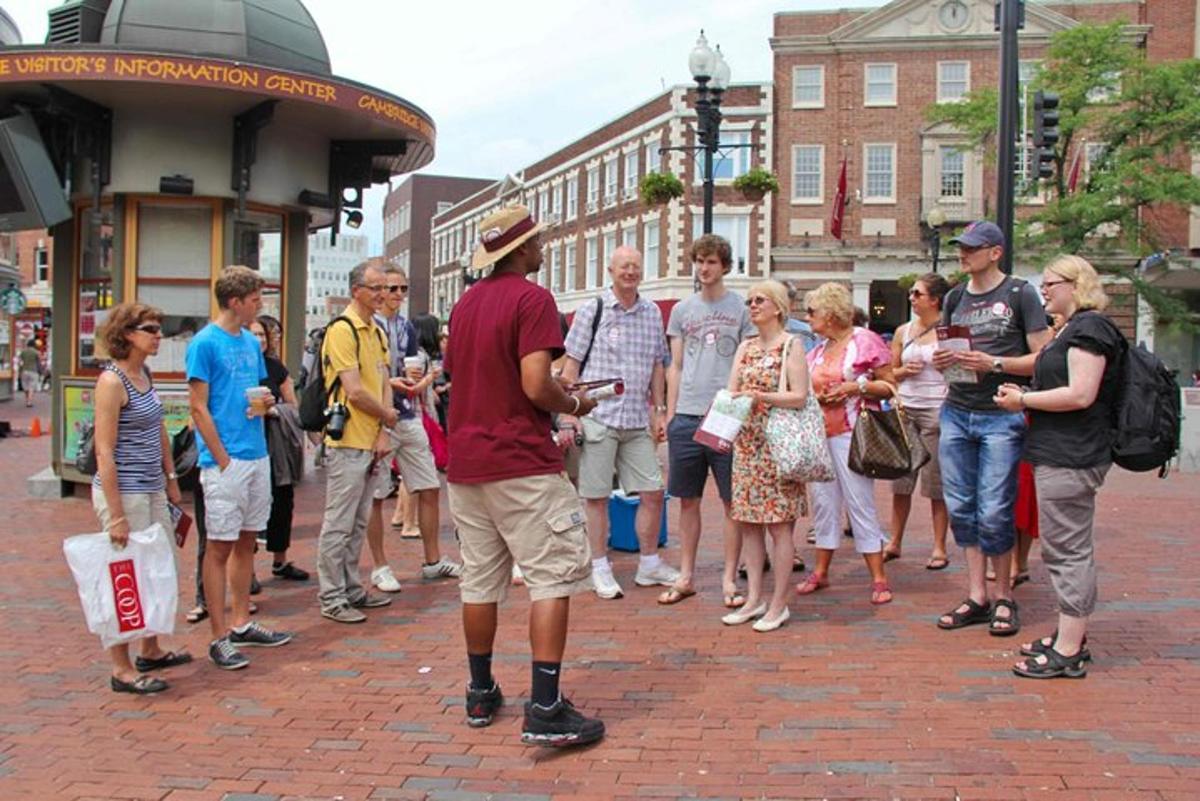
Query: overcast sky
[507,84]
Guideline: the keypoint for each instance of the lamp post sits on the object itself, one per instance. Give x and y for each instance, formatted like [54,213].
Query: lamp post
[711,74]
[935,218]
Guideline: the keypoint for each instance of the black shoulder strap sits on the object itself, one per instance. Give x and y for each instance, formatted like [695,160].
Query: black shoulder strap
[592,338]
[953,298]
[337,379]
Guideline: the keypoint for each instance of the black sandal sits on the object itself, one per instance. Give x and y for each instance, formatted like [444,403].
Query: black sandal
[1012,622]
[169,659]
[1057,666]
[975,614]
[142,685]
[1040,646]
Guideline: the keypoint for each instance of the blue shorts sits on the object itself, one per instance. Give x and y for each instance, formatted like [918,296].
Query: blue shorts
[689,462]
[979,452]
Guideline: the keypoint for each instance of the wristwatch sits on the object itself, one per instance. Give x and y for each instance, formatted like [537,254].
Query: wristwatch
[862,384]
[997,365]
[172,476]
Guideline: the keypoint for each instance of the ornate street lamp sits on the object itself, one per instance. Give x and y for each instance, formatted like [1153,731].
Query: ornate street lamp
[711,74]
[935,218]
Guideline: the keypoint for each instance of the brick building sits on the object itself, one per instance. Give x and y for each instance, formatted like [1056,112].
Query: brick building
[853,85]
[588,193]
[407,213]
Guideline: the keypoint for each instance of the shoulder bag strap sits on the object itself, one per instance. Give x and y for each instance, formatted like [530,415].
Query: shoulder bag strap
[783,379]
[592,339]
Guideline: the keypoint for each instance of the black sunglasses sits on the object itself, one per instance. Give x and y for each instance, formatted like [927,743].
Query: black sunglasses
[149,328]
[395,288]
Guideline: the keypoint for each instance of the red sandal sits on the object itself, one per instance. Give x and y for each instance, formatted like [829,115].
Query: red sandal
[878,590]
[814,582]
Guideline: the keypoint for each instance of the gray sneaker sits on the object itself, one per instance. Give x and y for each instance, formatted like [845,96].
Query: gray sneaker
[343,613]
[259,635]
[371,601]
[225,656]
[442,568]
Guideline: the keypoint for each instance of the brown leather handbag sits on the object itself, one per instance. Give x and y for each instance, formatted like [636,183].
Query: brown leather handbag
[879,446]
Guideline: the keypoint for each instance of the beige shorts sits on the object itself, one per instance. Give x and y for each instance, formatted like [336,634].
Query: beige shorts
[142,510]
[414,457]
[630,452]
[237,499]
[926,422]
[535,521]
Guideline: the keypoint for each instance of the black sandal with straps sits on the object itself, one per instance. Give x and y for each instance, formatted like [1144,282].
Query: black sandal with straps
[1056,666]
[976,613]
[1004,626]
[1040,646]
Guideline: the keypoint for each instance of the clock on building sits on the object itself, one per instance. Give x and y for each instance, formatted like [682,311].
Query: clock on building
[954,15]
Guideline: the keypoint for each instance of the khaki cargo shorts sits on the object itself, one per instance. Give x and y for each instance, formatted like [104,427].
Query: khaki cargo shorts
[535,521]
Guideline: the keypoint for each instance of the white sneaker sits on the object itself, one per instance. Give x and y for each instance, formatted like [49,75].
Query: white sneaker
[663,574]
[384,579]
[442,568]
[606,585]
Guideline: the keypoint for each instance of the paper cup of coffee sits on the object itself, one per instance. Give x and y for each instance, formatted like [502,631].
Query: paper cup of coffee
[256,397]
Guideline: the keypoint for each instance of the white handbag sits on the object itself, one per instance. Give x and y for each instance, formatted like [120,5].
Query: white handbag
[796,437]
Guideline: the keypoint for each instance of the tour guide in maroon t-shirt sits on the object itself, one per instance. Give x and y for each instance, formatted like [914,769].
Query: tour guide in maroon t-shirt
[509,495]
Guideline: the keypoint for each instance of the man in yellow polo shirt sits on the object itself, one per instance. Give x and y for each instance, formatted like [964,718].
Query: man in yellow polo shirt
[354,353]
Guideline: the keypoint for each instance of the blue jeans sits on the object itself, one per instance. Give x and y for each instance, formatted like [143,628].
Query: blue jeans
[979,452]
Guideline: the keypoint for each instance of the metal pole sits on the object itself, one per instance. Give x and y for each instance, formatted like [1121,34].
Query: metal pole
[1009,19]
[935,246]
[708,139]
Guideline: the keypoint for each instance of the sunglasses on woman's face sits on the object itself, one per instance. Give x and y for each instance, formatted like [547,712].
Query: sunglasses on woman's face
[149,328]
[756,301]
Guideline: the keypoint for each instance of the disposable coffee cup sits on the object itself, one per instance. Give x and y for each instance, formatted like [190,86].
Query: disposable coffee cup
[256,397]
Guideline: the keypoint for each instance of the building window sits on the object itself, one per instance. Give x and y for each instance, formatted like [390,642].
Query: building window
[650,258]
[736,229]
[952,162]
[880,82]
[610,245]
[591,266]
[443,205]
[631,174]
[41,265]
[629,236]
[879,185]
[953,81]
[808,87]
[543,203]
[593,188]
[555,250]
[556,203]
[572,197]
[653,157]
[730,161]
[808,173]
[569,267]
[610,181]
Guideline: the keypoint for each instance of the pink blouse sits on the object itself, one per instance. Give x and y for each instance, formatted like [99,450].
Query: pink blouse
[863,353]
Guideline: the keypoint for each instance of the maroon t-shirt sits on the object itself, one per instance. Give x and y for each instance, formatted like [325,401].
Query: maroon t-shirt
[495,431]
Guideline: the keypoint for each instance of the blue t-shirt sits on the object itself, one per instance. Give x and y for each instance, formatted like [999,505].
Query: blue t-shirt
[229,365]
[401,341]
[803,330]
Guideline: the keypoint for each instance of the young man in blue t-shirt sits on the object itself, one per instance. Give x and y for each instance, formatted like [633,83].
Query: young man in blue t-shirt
[224,360]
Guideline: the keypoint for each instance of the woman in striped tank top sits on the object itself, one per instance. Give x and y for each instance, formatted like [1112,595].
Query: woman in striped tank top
[135,473]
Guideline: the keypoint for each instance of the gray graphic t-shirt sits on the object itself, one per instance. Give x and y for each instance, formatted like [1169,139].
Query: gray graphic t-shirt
[999,321]
[711,333]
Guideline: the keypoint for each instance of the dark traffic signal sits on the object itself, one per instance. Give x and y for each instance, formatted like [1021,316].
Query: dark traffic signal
[1045,131]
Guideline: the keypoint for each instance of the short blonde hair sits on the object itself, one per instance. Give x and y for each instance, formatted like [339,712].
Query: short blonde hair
[776,292]
[1086,287]
[834,300]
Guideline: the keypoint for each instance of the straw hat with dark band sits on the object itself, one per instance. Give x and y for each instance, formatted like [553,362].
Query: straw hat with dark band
[501,233]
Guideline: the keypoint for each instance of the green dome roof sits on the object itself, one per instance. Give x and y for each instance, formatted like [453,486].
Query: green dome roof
[276,33]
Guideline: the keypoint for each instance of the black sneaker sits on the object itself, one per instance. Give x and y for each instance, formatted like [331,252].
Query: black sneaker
[290,572]
[225,656]
[482,705]
[560,725]
[255,587]
[259,635]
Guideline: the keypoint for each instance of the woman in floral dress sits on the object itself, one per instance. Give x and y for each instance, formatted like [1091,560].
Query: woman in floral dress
[762,502]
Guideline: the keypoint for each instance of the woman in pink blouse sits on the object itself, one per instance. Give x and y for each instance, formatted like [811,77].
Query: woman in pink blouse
[849,365]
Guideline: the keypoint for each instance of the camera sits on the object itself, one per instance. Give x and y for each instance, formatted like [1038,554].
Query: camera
[335,417]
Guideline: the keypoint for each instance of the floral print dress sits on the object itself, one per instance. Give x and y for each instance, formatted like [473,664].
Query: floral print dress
[759,496]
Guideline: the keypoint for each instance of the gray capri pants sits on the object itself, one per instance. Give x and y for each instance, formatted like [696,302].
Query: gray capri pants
[1066,510]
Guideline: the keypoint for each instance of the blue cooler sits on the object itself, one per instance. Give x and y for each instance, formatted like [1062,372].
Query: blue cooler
[622,511]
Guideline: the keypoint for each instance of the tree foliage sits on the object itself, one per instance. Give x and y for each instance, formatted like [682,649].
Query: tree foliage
[1145,114]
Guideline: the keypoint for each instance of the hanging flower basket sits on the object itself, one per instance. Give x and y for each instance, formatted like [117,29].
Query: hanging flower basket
[755,183]
[660,188]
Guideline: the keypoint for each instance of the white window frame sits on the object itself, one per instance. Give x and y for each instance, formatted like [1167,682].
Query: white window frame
[653,157]
[543,203]
[878,199]
[631,175]
[611,185]
[820,198]
[819,102]
[556,201]
[941,81]
[941,161]
[629,236]
[610,246]
[591,261]
[569,267]
[593,188]
[650,262]
[572,197]
[867,101]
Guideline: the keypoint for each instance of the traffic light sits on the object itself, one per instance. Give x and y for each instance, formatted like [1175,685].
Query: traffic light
[1045,131]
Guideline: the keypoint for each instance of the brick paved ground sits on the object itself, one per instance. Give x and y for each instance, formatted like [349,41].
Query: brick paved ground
[848,701]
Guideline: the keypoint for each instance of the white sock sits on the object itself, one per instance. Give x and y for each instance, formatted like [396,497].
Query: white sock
[601,565]
[647,563]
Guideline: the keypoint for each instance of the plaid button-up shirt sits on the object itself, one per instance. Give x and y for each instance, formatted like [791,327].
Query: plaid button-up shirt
[628,344]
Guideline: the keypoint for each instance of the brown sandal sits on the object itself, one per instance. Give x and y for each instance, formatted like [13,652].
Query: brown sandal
[675,595]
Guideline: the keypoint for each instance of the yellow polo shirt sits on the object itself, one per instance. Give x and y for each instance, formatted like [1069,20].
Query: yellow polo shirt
[371,361]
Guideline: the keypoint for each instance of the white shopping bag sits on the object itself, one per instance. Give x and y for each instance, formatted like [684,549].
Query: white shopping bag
[126,594]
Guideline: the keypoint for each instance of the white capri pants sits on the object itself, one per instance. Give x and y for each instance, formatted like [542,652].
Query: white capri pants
[847,492]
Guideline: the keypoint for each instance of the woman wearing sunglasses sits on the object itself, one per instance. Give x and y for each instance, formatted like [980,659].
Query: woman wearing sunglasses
[135,473]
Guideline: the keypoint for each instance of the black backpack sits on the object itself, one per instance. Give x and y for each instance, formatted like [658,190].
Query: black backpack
[314,398]
[1147,413]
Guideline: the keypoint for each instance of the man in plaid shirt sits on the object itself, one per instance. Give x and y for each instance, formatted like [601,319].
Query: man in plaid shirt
[622,433]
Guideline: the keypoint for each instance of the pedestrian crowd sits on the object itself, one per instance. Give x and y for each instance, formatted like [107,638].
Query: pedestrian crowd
[531,394]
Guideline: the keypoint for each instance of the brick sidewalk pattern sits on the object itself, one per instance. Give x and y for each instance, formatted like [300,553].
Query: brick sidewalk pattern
[848,701]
